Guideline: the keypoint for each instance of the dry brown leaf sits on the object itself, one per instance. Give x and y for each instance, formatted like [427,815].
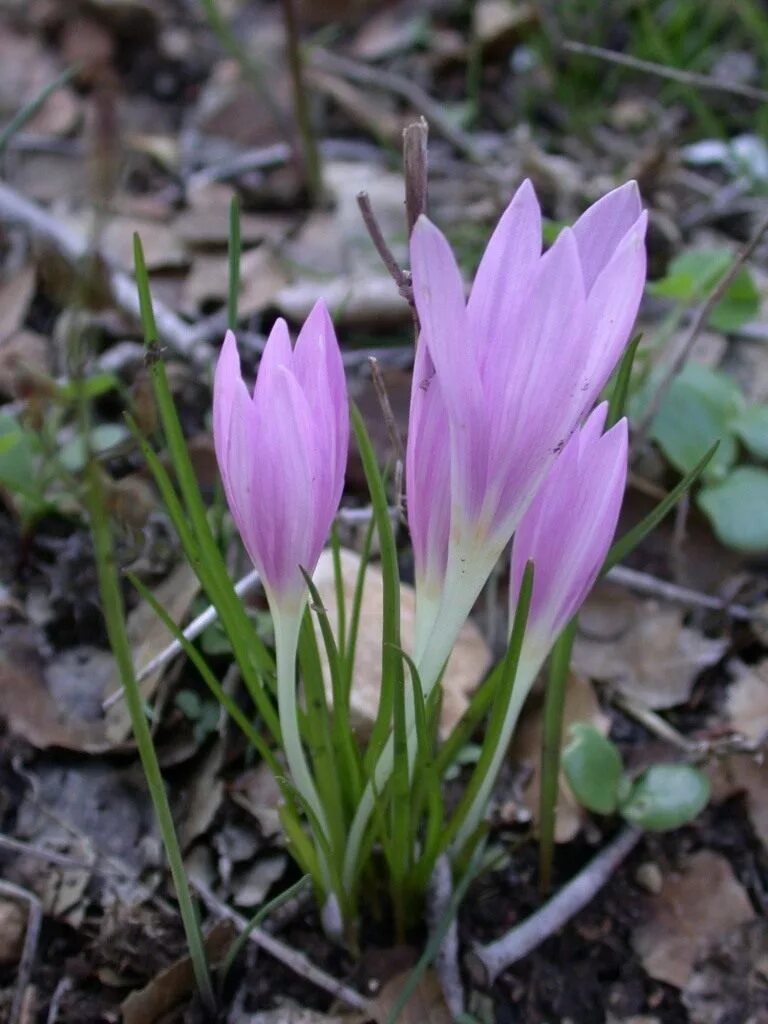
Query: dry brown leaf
[148,637]
[34,709]
[261,280]
[466,667]
[162,246]
[498,23]
[426,1005]
[26,68]
[581,705]
[641,647]
[257,792]
[728,982]
[25,358]
[15,297]
[174,984]
[747,702]
[293,1014]
[13,927]
[203,796]
[355,300]
[748,775]
[694,908]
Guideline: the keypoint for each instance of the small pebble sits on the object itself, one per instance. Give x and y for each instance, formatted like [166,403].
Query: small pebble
[649,877]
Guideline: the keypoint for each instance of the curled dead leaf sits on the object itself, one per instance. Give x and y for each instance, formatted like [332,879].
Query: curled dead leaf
[641,647]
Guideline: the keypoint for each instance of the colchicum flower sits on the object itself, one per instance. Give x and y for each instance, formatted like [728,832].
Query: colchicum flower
[566,532]
[282,454]
[501,382]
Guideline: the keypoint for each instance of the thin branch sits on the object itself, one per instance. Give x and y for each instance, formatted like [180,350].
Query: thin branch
[310,155]
[386,408]
[177,334]
[396,272]
[485,963]
[292,958]
[29,951]
[662,71]
[447,959]
[415,167]
[64,985]
[697,325]
[644,583]
[420,100]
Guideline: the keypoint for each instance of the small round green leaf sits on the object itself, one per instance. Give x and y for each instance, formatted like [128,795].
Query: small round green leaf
[592,765]
[701,407]
[738,508]
[752,428]
[666,796]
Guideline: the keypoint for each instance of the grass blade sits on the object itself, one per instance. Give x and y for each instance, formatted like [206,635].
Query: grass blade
[618,400]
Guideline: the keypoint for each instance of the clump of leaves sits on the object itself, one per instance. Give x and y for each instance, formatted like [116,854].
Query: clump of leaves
[663,797]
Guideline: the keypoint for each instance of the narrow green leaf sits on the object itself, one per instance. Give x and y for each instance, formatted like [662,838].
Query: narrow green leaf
[319,734]
[261,915]
[436,936]
[197,659]
[392,672]
[633,537]
[554,709]
[618,400]
[350,770]
[498,711]
[28,111]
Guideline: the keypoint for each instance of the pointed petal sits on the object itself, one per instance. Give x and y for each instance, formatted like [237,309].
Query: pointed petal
[277,352]
[227,380]
[427,474]
[612,307]
[502,277]
[535,409]
[320,372]
[601,228]
[439,295]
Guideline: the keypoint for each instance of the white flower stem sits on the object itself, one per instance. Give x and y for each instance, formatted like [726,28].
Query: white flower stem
[287,624]
[526,674]
[465,577]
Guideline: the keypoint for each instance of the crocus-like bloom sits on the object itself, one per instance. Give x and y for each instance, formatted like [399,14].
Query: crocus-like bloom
[282,452]
[505,380]
[566,533]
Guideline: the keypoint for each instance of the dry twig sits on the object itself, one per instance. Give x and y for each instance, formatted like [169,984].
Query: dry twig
[292,958]
[693,78]
[447,960]
[421,101]
[697,325]
[485,963]
[415,169]
[29,951]
[177,334]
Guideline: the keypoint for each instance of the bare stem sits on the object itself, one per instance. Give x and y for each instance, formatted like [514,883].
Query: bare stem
[310,154]
[485,963]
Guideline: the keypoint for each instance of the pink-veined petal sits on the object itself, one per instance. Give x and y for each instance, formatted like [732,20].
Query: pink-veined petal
[601,227]
[612,307]
[277,352]
[501,280]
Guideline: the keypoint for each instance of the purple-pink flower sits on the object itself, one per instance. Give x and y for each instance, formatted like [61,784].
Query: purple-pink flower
[505,379]
[568,528]
[282,452]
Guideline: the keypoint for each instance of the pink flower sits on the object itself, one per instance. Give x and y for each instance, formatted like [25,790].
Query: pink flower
[568,529]
[566,533]
[282,452]
[516,368]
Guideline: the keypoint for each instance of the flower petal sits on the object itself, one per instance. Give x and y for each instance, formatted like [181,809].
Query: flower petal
[501,281]
[601,228]
[612,307]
